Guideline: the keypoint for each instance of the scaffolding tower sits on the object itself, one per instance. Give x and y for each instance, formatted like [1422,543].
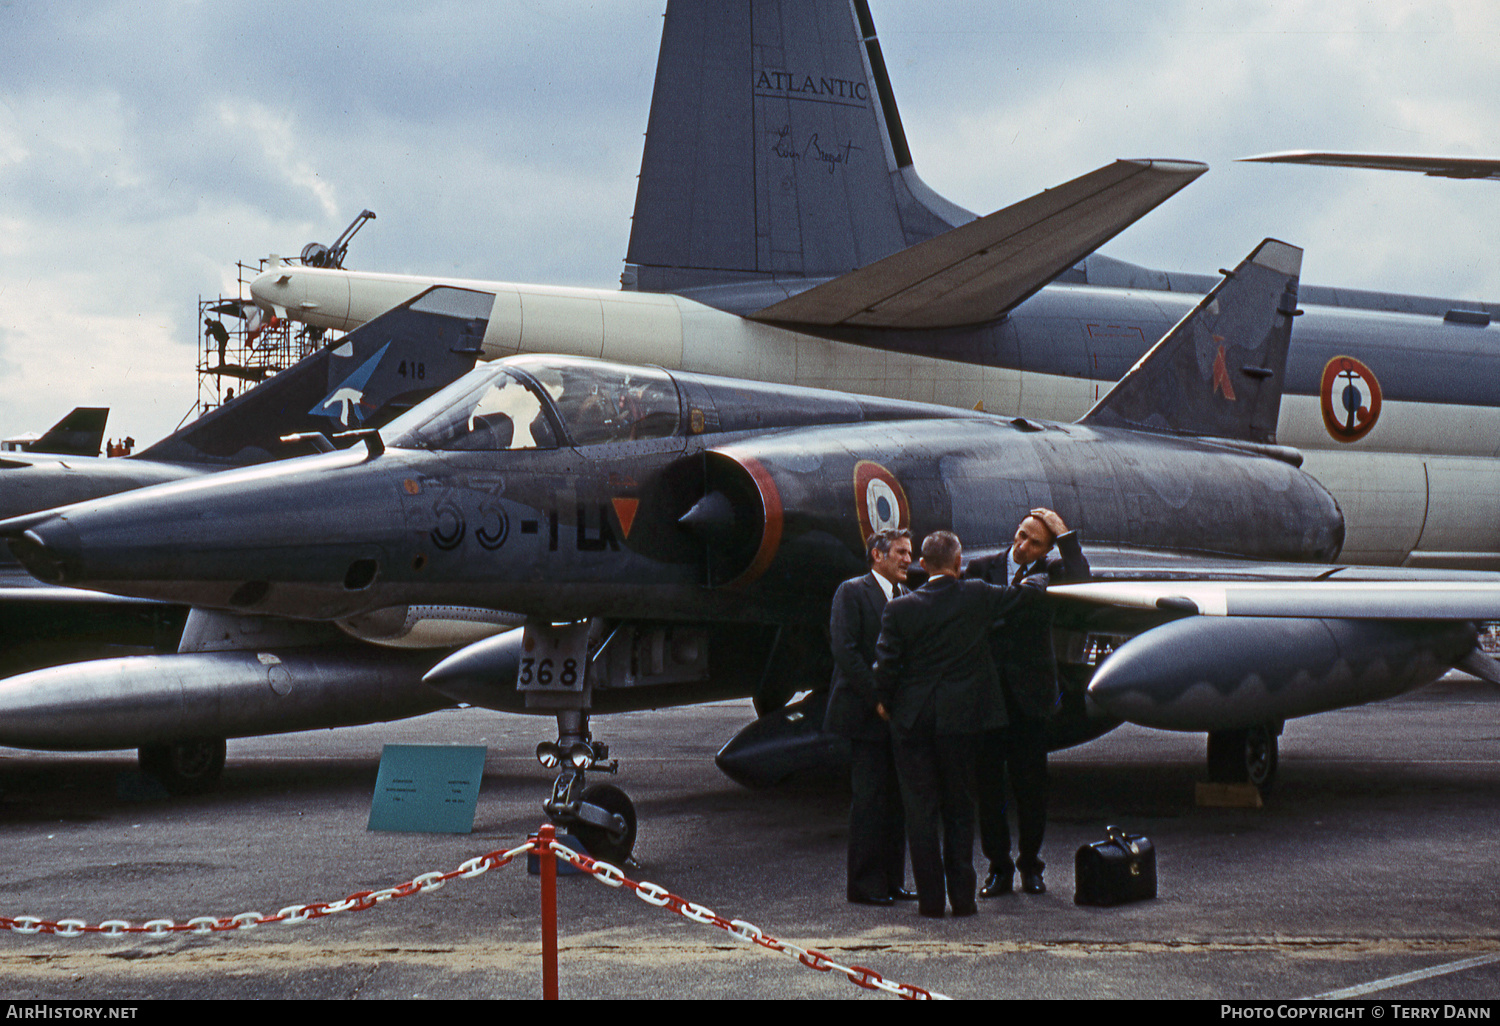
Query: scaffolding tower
[240,346]
[243,344]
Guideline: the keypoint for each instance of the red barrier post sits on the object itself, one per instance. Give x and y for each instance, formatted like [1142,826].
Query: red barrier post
[548,865]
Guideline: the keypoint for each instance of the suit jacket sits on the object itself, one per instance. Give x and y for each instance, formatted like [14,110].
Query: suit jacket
[853,629]
[933,660]
[1022,646]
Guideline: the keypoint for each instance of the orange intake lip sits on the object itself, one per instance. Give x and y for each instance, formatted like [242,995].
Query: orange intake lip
[770,536]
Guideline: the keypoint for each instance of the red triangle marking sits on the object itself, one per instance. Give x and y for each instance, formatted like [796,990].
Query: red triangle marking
[625,510]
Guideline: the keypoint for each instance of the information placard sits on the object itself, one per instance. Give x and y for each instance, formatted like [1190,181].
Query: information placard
[427,789]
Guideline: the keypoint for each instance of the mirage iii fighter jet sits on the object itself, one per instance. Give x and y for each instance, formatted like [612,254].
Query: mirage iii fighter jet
[672,537]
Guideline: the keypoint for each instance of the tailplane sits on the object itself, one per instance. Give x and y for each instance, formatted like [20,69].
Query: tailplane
[774,149]
[1220,370]
[976,272]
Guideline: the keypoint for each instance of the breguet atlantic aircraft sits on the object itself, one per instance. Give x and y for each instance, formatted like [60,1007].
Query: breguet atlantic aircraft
[781,233]
[782,237]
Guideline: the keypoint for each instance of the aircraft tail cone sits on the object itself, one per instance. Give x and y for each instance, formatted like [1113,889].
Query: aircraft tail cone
[787,741]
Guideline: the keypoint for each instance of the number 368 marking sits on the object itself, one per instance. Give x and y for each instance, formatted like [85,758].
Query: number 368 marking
[546,673]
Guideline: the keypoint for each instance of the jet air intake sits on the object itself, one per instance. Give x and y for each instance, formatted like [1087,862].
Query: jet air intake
[738,520]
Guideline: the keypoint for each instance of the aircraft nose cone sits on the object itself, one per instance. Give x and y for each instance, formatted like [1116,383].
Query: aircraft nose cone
[474,673]
[1125,685]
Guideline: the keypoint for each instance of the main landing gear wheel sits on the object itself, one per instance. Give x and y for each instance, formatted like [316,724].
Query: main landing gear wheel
[604,844]
[1243,756]
[185,767]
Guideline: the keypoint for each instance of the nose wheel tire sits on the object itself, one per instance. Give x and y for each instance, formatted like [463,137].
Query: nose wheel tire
[600,842]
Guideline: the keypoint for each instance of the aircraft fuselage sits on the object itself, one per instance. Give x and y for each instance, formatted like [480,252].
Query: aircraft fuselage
[707,521]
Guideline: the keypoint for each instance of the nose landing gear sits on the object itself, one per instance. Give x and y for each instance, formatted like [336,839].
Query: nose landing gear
[601,816]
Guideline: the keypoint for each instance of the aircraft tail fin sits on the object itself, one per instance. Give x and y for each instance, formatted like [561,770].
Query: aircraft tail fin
[774,149]
[80,433]
[1220,370]
[363,380]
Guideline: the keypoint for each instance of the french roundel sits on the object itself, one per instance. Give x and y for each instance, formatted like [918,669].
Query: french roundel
[879,499]
[1350,398]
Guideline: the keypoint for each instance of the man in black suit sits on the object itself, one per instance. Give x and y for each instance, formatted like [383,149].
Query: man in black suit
[877,828]
[1023,654]
[936,684]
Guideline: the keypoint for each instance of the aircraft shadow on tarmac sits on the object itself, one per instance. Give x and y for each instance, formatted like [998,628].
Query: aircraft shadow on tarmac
[83,789]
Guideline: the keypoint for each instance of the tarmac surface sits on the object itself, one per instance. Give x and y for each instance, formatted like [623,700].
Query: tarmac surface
[1373,859]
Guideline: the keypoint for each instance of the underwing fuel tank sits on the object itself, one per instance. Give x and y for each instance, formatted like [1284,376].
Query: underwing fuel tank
[145,700]
[1230,672]
[780,743]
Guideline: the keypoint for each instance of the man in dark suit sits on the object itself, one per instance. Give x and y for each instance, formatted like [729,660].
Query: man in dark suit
[1023,654]
[936,684]
[877,828]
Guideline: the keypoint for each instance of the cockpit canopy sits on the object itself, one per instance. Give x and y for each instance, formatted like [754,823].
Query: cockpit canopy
[540,403]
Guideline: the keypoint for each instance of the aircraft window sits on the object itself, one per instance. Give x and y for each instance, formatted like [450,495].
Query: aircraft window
[496,413]
[602,402]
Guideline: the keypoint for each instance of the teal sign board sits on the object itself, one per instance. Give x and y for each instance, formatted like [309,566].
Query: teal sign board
[427,789]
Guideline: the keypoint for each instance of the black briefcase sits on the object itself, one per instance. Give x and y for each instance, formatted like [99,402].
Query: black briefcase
[1115,871]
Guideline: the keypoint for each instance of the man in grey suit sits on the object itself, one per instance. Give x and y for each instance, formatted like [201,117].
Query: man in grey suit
[936,684]
[1023,655]
[877,828]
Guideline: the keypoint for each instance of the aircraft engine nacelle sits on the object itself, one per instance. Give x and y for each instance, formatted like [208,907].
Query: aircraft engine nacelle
[788,513]
[740,519]
[1225,673]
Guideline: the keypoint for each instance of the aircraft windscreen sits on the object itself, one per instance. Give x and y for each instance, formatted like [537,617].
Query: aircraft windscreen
[503,406]
[482,412]
[604,402]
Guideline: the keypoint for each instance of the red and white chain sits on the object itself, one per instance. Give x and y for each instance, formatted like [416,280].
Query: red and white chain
[356,902]
[653,894]
[604,872]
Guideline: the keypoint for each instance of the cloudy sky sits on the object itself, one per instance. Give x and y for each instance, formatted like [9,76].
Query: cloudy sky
[147,146]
